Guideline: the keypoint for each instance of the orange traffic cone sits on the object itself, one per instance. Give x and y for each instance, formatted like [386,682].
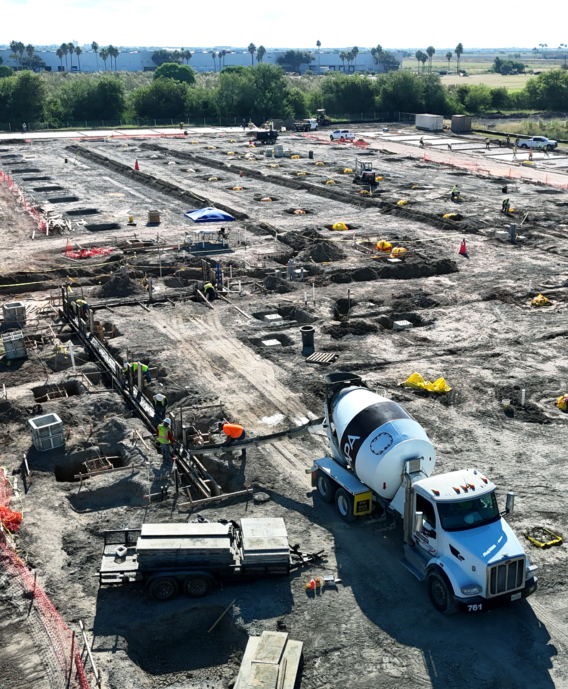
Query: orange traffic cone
[136,166]
[463,250]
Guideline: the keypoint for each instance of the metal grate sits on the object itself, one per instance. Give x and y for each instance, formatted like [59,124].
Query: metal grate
[323,358]
[507,576]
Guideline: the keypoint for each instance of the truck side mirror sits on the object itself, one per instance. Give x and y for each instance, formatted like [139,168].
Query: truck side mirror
[419,522]
[510,504]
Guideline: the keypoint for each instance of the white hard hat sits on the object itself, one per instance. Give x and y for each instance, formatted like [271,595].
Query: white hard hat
[168,421]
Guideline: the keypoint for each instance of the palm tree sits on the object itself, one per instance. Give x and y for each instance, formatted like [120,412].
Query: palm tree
[222,57]
[95,47]
[343,57]
[318,44]
[65,50]
[458,51]
[565,46]
[430,50]
[60,54]
[423,59]
[115,54]
[71,48]
[252,51]
[104,56]
[260,53]
[418,56]
[355,52]
[14,49]
[21,50]
[214,56]
[78,51]
[448,58]
[30,50]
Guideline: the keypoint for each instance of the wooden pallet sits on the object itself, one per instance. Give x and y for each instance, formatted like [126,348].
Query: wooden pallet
[323,358]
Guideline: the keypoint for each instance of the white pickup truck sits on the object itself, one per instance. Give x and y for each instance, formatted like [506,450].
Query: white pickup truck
[341,134]
[536,141]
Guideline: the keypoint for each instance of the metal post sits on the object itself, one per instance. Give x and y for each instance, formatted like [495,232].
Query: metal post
[348,301]
[91,321]
[72,354]
[150,288]
[160,255]
[130,381]
[314,293]
[140,377]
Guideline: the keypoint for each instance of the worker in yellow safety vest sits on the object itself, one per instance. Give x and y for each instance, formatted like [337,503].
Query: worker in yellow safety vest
[160,404]
[83,307]
[235,434]
[165,438]
[134,365]
[563,403]
[209,291]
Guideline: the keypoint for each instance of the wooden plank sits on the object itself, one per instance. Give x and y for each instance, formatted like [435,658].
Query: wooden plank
[292,657]
[225,496]
[263,676]
[270,648]
[243,679]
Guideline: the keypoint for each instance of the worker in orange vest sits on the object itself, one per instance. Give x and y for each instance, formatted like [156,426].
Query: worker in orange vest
[234,433]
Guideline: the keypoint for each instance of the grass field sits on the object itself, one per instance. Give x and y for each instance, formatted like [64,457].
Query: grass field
[510,82]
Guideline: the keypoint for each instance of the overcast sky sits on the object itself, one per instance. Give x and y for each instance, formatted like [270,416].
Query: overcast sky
[335,24]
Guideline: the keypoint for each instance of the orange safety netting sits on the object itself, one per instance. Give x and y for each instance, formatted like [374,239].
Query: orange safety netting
[10,520]
[63,641]
[85,253]
[31,210]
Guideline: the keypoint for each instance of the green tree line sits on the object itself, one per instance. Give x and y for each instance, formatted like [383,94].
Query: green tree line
[176,91]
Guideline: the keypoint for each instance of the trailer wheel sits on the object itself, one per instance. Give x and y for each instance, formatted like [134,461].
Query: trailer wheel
[163,588]
[441,594]
[326,487]
[197,586]
[345,505]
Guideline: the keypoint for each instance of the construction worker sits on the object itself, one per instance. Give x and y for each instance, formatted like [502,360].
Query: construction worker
[508,140]
[165,438]
[515,152]
[209,291]
[234,433]
[160,404]
[487,144]
[530,154]
[455,193]
[83,307]
[505,206]
[134,365]
[421,142]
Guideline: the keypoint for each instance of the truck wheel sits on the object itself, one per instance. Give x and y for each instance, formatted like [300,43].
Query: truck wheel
[326,487]
[164,588]
[523,146]
[331,138]
[345,505]
[197,586]
[441,594]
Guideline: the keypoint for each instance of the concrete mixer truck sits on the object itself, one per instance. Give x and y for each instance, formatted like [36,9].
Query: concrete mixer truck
[455,537]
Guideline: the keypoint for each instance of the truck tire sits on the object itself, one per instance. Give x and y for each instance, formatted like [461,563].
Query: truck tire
[163,588]
[441,594]
[523,146]
[330,137]
[326,487]
[345,505]
[197,585]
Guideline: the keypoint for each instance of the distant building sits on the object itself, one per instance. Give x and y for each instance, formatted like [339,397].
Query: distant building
[201,61]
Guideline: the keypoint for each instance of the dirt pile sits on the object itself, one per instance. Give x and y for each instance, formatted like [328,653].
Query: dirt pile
[415,267]
[322,252]
[359,328]
[120,285]
[300,240]
[274,284]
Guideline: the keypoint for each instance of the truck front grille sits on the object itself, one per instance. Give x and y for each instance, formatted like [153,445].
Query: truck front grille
[506,576]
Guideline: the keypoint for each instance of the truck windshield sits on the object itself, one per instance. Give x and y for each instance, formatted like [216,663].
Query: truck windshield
[468,514]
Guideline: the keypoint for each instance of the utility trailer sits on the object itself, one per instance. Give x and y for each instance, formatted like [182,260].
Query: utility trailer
[194,557]
[265,136]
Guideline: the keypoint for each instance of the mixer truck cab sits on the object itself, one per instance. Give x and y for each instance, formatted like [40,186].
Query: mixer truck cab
[455,538]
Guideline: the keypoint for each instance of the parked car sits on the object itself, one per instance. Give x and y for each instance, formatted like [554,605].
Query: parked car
[536,141]
[341,134]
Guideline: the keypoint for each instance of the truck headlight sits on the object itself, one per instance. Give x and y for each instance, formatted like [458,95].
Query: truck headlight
[471,590]
[531,571]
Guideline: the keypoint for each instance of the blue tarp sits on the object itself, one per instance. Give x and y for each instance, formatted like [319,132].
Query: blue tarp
[209,215]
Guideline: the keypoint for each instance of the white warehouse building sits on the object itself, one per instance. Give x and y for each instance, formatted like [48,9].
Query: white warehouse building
[201,61]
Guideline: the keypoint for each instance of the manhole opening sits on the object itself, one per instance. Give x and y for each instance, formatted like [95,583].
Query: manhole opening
[66,473]
[63,199]
[292,211]
[414,318]
[100,227]
[272,341]
[83,211]
[47,393]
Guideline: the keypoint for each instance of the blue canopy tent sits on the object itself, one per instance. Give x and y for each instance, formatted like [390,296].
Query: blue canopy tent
[201,241]
[209,215]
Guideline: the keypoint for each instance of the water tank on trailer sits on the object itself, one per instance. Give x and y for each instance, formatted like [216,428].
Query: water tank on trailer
[377,437]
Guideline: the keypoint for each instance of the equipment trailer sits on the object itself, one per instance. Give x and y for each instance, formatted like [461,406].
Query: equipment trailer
[194,557]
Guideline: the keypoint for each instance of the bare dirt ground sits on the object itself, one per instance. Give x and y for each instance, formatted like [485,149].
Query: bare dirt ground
[472,323]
